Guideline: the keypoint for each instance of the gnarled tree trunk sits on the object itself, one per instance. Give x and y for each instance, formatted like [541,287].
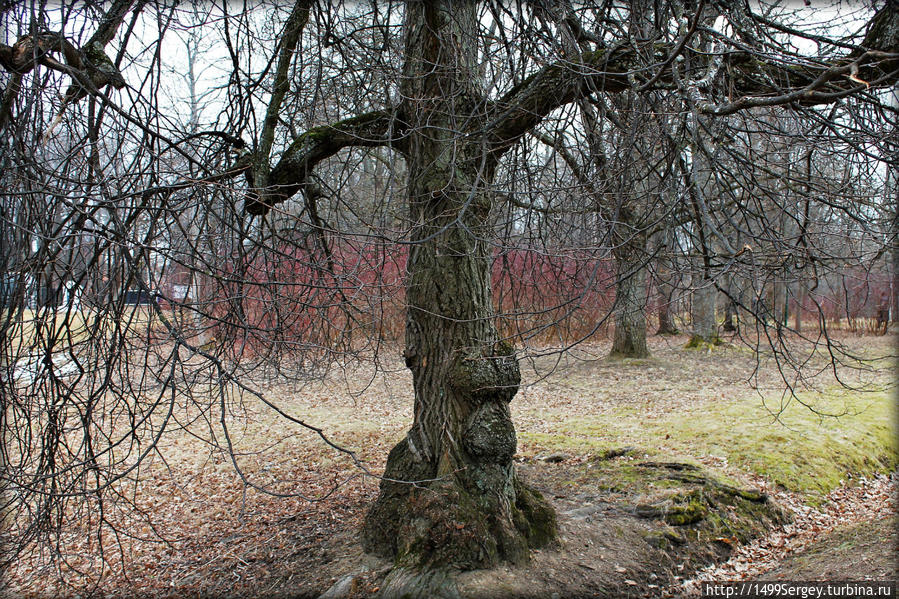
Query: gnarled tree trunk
[467,507]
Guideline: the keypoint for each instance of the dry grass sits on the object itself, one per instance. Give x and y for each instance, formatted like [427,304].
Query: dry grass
[203,530]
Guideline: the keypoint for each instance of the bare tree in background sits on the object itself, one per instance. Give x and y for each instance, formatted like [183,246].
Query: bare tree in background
[105,192]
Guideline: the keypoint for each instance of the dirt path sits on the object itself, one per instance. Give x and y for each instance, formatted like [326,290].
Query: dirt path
[852,536]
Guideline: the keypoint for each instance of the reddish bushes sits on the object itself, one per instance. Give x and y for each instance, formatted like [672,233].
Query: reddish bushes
[306,299]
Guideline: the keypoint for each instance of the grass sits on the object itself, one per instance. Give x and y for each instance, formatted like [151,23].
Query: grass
[25,326]
[808,444]
[795,447]
[678,405]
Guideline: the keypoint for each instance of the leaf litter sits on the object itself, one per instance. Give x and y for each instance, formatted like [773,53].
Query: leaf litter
[202,531]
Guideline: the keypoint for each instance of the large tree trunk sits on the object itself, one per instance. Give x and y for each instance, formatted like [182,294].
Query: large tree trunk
[467,508]
[630,299]
[703,187]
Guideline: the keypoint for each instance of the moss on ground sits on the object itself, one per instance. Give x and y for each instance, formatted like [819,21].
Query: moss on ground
[697,342]
[681,503]
[808,444]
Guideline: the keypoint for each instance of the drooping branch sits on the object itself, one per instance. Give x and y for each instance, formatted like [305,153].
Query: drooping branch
[89,62]
[290,175]
[741,74]
[611,70]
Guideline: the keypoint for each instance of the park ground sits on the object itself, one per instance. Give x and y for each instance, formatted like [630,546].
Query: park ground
[665,472]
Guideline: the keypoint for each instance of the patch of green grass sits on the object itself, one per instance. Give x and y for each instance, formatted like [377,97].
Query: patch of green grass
[807,448]
[808,445]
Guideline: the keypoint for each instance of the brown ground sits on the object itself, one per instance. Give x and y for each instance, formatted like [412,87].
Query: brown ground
[207,536]
[864,551]
[851,536]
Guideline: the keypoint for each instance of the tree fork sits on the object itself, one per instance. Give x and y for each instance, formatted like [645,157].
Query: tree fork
[450,495]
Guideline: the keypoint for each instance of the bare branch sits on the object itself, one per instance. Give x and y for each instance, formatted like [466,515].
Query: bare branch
[378,128]
[617,69]
[289,39]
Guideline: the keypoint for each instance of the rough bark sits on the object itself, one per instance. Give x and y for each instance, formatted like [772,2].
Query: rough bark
[630,299]
[466,507]
[705,328]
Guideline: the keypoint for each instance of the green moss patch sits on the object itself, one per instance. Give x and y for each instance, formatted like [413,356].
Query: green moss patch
[697,342]
[679,503]
[808,444]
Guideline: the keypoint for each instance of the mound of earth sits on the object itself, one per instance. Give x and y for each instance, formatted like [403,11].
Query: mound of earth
[862,551]
[628,528]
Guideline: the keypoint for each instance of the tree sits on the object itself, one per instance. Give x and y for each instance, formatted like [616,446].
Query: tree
[465,375]
[450,494]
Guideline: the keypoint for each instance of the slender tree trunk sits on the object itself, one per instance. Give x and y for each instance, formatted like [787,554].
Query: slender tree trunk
[665,286]
[666,293]
[468,508]
[891,187]
[630,299]
[705,327]
[893,193]
[894,309]
[730,316]
[781,302]
[666,323]
[800,297]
